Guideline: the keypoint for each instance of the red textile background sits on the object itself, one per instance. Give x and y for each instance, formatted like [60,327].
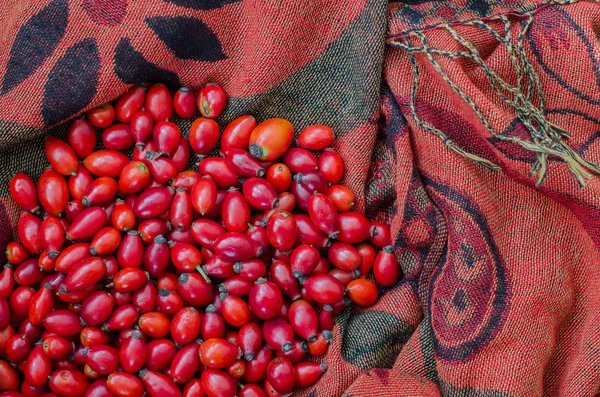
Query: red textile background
[501,289]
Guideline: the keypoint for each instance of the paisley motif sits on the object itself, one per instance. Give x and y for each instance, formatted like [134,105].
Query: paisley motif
[469,292]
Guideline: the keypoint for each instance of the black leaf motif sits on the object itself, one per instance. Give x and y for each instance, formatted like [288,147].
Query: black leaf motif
[375,345]
[71,84]
[132,68]
[36,40]
[202,4]
[188,38]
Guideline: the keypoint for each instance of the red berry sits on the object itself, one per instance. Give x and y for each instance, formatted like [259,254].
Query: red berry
[203,195]
[308,373]
[123,384]
[299,160]
[158,385]
[341,197]
[102,116]
[303,319]
[316,137]
[324,288]
[118,137]
[280,177]
[204,135]
[166,136]
[221,170]
[259,193]
[281,230]
[237,133]
[278,334]
[184,103]
[386,268]
[106,163]
[185,325]
[281,375]
[141,127]
[218,353]
[130,103]
[212,101]
[250,340]
[323,214]
[331,165]
[82,137]
[186,362]
[53,192]
[37,367]
[218,383]
[265,299]
[159,103]
[69,383]
[160,354]
[270,139]
[60,155]
[363,292]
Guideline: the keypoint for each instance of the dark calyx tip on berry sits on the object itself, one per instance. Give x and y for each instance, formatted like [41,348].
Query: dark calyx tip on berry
[85,351]
[356,273]
[237,267]
[223,294]
[298,177]
[255,151]
[92,251]
[83,324]
[85,201]
[327,243]
[53,254]
[136,334]
[324,367]
[160,239]
[184,89]
[8,266]
[249,356]
[151,156]
[180,189]
[297,274]
[328,336]
[334,235]
[287,346]
[261,280]
[164,292]
[312,338]
[183,278]
[210,309]
[133,233]
[261,172]
[327,308]
[140,145]
[142,372]
[389,249]
[63,289]
[48,286]
[259,251]
[274,203]
[373,231]
[304,347]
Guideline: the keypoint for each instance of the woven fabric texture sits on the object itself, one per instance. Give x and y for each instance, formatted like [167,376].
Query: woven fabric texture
[470,126]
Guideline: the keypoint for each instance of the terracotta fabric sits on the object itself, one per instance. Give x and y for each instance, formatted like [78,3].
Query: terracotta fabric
[495,207]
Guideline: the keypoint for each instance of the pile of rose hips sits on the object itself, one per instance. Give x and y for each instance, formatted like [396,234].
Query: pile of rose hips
[139,275]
